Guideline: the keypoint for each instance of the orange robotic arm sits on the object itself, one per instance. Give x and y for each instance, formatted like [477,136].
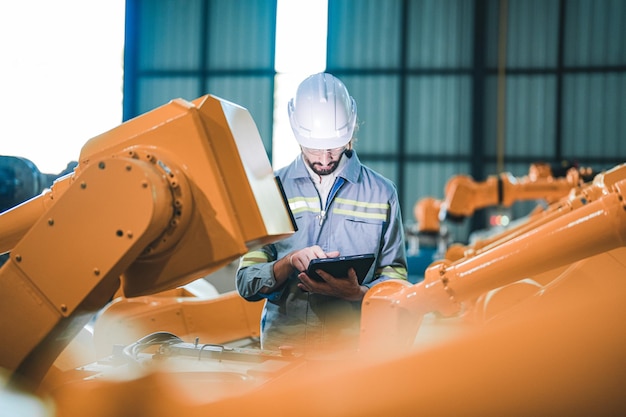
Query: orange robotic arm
[592,223]
[159,201]
[426,212]
[464,196]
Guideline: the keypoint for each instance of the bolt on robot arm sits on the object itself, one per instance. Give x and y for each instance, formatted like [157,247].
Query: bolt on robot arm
[155,203]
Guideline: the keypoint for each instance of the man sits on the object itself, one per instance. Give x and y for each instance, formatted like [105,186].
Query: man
[341,208]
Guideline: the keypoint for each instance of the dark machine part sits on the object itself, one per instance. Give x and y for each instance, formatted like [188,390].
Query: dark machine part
[19,180]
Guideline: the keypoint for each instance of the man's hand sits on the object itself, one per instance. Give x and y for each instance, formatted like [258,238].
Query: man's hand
[300,259]
[347,288]
[296,261]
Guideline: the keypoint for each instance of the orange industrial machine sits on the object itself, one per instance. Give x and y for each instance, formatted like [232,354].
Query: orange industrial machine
[528,324]
[429,238]
[153,204]
[463,195]
[586,223]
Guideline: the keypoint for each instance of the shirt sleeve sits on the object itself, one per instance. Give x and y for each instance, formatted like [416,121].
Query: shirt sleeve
[255,271]
[393,263]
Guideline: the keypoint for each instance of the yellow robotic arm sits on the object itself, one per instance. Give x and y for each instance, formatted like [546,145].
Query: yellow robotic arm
[155,203]
[562,348]
[590,223]
[426,212]
[464,196]
[562,353]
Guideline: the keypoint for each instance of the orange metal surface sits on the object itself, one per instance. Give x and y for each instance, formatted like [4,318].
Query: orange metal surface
[92,253]
[528,324]
[463,195]
[426,213]
[594,227]
[16,221]
[157,202]
[531,327]
[226,174]
[216,320]
[559,353]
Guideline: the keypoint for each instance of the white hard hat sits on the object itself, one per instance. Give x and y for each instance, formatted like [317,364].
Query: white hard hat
[322,114]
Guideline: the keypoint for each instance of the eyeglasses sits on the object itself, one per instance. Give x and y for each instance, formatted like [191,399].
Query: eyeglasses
[335,152]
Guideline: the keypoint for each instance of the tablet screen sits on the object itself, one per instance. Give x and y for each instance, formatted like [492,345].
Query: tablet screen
[338,267]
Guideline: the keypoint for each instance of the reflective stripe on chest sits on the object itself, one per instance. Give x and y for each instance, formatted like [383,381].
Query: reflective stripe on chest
[362,209]
[300,204]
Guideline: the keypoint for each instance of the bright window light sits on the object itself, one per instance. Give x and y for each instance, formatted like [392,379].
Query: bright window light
[301,36]
[301,30]
[62,77]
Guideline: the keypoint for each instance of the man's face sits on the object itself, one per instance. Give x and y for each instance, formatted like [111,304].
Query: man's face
[323,161]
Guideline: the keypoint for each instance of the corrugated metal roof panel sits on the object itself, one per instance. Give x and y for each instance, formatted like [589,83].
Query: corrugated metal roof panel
[438,115]
[530,125]
[241,34]
[594,115]
[168,35]
[377,99]
[364,33]
[531,31]
[440,33]
[595,32]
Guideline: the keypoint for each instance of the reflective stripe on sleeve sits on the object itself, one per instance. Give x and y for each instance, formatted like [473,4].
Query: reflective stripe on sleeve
[254,257]
[393,272]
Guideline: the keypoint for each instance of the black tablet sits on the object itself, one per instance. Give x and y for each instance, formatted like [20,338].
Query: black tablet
[338,267]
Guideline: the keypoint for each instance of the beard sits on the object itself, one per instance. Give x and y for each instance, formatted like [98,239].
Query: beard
[320,169]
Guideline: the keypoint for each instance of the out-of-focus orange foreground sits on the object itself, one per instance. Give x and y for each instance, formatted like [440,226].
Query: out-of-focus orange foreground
[528,324]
